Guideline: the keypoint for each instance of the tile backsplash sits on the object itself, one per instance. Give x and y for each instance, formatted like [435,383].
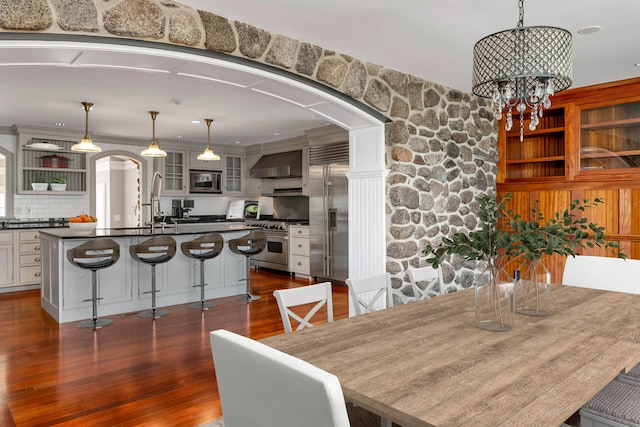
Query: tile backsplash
[44,206]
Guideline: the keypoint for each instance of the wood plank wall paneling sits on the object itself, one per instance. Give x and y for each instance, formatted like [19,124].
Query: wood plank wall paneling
[634,222]
[548,202]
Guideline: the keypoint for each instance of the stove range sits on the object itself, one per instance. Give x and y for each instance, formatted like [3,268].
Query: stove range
[277,224]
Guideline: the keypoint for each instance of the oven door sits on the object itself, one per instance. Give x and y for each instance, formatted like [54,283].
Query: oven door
[276,254]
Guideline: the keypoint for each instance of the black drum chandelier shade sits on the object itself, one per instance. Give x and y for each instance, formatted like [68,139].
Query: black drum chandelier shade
[522,68]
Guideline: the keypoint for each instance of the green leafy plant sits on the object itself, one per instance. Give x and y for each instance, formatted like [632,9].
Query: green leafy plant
[55,180]
[564,233]
[504,236]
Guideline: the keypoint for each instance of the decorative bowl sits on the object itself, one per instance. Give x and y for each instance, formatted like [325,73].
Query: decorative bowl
[83,227]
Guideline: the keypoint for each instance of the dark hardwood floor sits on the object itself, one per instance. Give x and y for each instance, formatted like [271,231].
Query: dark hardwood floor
[136,372]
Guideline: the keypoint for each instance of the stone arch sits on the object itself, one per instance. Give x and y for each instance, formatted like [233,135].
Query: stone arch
[439,144]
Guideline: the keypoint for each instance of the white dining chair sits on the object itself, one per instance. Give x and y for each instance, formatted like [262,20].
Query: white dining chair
[290,302]
[432,279]
[606,273]
[262,386]
[368,294]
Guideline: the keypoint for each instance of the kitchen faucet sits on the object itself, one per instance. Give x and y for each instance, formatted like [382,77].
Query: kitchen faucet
[156,187]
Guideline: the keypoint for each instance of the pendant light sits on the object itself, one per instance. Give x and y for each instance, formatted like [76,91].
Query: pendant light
[154,149]
[521,68]
[208,153]
[85,144]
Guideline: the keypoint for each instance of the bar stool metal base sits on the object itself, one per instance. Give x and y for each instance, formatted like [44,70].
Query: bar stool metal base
[248,297]
[94,323]
[153,313]
[201,305]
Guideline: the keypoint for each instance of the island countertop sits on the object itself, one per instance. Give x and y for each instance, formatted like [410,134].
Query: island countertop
[125,287]
[180,229]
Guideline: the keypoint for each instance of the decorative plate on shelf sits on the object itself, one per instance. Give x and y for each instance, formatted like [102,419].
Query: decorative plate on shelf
[43,146]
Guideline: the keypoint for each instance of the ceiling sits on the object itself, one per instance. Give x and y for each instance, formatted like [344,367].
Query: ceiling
[426,38]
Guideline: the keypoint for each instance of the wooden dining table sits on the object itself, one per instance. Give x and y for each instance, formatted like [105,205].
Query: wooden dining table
[427,364]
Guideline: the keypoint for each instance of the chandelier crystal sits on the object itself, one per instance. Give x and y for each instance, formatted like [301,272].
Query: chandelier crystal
[521,68]
[85,144]
[154,149]
[208,153]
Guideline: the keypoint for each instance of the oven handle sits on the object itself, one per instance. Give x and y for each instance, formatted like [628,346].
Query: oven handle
[271,235]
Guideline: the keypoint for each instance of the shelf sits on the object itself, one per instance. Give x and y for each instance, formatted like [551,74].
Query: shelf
[611,124]
[537,132]
[605,154]
[51,192]
[53,169]
[536,160]
[30,169]
[27,148]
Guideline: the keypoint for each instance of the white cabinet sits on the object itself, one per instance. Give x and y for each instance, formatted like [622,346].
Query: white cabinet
[20,258]
[65,287]
[6,258]
[232,174]
[299,249]
[28,257]
[194,163]
[174,173]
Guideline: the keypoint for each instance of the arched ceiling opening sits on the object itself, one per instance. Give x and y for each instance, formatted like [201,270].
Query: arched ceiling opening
[44,82]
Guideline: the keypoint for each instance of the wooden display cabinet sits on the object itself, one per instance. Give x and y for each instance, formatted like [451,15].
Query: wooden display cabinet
[586,146]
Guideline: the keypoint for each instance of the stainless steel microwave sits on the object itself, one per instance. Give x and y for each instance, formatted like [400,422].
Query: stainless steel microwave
[204,181]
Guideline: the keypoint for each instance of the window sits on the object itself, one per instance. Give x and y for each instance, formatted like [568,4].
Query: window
[6,183]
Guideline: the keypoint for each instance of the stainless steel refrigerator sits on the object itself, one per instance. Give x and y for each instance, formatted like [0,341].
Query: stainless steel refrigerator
[328,221]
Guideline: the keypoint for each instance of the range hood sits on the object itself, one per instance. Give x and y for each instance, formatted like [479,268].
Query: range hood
[279,165]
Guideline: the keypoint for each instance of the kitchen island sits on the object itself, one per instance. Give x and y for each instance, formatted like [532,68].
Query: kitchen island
[66,288]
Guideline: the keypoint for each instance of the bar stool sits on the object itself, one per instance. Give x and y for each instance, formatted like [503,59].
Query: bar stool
[94,255]
[247,245]
[153,251]
[205,247]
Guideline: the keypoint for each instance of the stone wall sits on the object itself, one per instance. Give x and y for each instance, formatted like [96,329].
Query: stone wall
[440,142]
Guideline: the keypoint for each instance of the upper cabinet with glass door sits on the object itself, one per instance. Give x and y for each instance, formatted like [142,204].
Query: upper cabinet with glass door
[232,174]
[174,173]
[609,136]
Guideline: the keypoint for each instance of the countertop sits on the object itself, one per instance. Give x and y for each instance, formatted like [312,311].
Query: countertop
[21,223]
[197,228]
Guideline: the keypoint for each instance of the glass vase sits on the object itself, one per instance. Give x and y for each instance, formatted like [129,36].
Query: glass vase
[494,302]
[533,290]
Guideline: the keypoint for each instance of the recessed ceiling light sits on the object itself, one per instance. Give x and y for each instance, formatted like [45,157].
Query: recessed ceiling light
[276,134]
[637,64]
[179,136]
[237,142]
[60,124]
[195,122]
[589,30]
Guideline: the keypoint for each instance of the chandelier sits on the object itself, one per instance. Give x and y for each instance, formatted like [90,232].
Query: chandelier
[154,149]
[85,144]
[208,153]
[522,68]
